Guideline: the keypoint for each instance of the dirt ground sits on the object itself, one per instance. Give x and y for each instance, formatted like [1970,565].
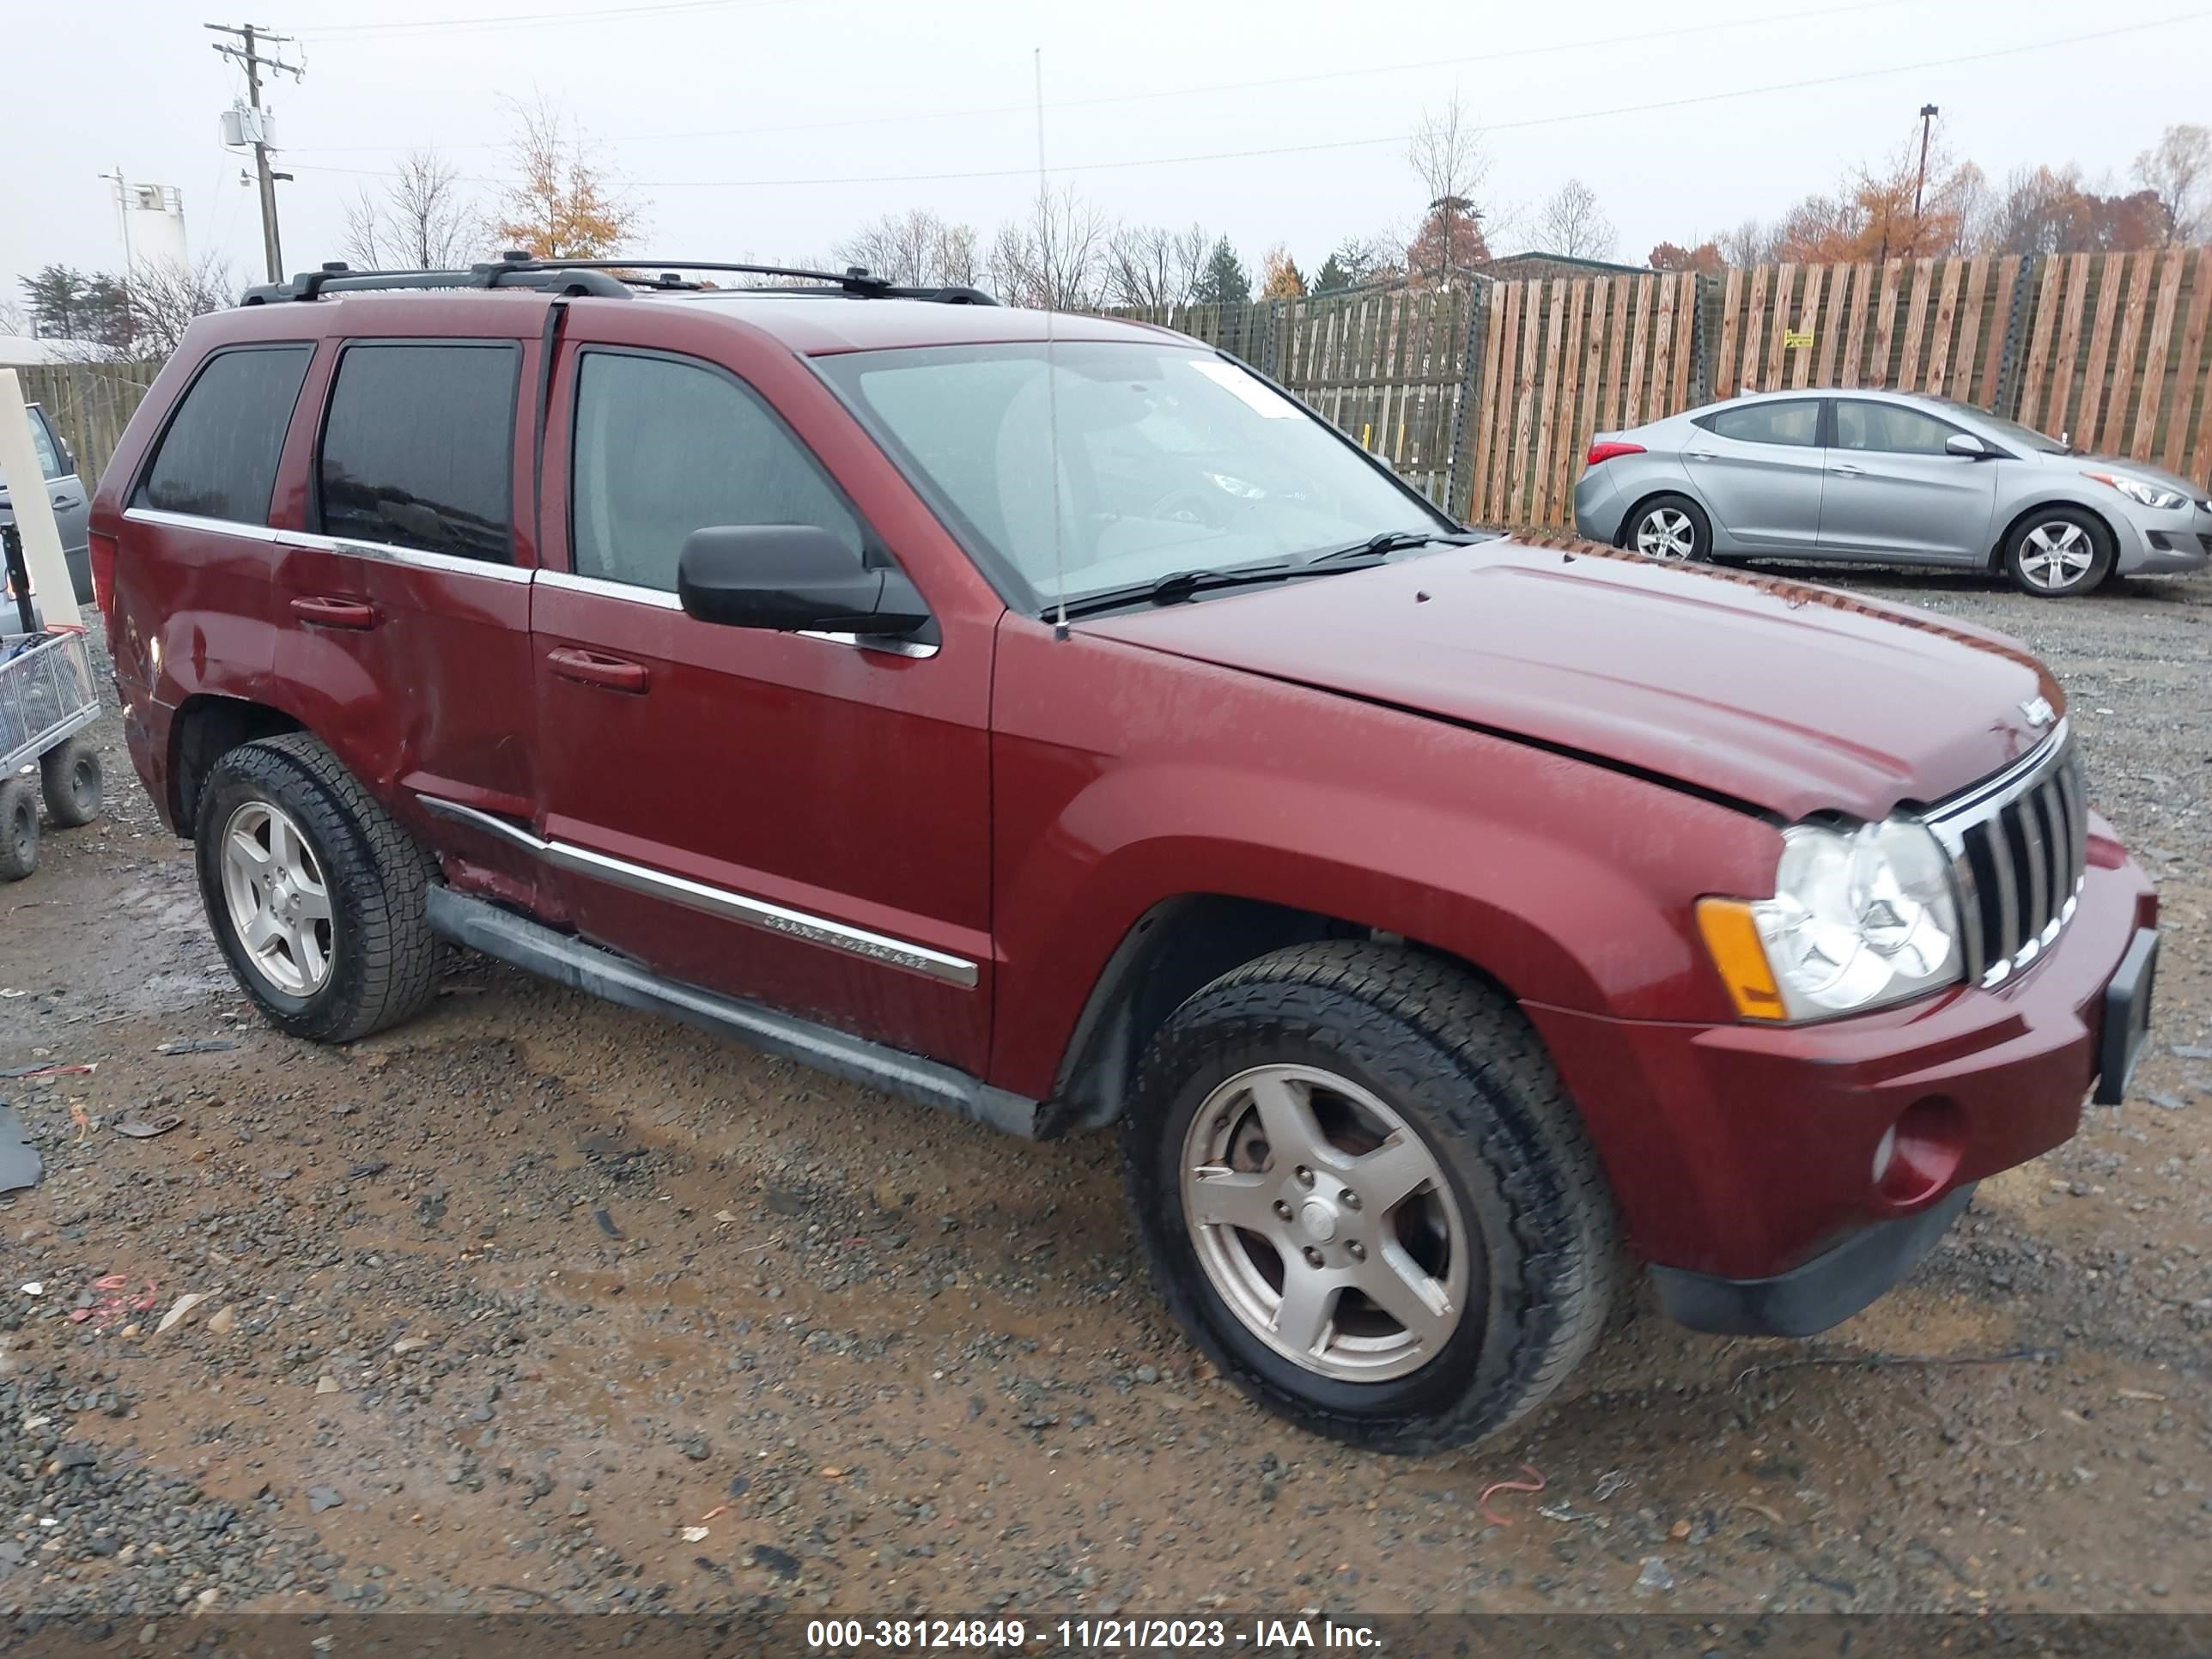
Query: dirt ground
[537,1302]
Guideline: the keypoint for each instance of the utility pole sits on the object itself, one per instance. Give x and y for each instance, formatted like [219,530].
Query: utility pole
[253,42]
[1928,114]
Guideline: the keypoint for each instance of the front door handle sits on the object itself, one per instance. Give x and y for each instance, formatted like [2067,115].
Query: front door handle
[589,668]
[1845,469]
[320,613]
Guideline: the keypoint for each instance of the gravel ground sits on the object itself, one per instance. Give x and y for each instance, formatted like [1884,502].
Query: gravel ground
[538,1303]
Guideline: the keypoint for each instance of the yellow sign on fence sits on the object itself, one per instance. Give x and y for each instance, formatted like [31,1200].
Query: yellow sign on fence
[1797,342]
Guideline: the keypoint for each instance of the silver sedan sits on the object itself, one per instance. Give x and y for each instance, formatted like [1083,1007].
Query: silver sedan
[1889,477]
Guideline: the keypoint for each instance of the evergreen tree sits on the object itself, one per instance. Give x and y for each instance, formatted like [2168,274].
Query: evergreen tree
[1224,281]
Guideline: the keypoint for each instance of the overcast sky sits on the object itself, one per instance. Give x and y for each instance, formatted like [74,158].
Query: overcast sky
[770,128]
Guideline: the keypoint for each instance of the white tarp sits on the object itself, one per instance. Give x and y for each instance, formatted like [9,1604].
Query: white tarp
[34,512]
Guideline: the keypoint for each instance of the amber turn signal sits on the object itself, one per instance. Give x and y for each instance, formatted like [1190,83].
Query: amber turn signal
[1732,937]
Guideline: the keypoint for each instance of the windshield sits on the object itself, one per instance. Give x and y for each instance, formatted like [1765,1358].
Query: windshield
[2011,432]
[1171,460]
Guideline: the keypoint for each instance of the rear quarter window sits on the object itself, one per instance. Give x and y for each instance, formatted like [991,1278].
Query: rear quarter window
[217,458]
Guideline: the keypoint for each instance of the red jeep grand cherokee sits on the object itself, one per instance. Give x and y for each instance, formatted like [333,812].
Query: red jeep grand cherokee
[1051,719]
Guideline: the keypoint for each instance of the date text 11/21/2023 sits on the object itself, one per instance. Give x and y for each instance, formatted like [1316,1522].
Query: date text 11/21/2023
[1264,1635]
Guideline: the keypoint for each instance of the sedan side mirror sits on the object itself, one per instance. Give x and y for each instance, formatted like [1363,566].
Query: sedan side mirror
[792,578]
[1966,444]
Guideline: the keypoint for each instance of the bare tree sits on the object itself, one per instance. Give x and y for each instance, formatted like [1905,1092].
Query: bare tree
[1750,243]
[422,220]
[1447,153]
[1571,222]
[164,296]
[1053,256]
[1149,265]
[2179,170]
[917,248]
[566,204]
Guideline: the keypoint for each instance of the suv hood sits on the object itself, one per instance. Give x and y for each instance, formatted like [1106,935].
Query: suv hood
[1773,695]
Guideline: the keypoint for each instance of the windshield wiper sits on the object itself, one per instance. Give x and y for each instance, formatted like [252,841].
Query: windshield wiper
[1176,587]
[1396,541]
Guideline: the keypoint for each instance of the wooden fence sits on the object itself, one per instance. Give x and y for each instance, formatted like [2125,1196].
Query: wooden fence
[2107,350]
[89,405]
[1485,399]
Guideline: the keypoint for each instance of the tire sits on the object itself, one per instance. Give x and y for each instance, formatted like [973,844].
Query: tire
[2051,541]
[1464,1074]
[366,961]
[1669,521]
[19,828]
[70,775]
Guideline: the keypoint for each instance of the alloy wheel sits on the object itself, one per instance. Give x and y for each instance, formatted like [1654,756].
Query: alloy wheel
[1325,1224]
[1667,532]
[2057,555]
[279,903]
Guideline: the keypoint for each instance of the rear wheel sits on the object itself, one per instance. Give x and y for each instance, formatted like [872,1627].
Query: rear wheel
[70,775]
[316,895]
[2059,551]
[19,828]
[1366,1197]
[1671,527]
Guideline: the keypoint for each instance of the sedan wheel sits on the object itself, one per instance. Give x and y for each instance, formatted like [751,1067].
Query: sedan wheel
[2057,555]
[1668,532]
[1325,1223]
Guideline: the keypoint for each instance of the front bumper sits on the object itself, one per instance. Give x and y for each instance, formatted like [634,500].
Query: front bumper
[1740,1153]
[2155,543]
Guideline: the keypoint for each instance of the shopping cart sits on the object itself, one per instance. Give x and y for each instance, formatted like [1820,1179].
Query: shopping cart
[47,699]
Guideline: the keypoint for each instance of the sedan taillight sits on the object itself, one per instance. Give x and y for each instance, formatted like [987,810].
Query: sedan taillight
[1606,449]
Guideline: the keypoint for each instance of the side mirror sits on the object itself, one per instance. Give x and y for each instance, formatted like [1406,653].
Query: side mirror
[792,578]
[1966,444]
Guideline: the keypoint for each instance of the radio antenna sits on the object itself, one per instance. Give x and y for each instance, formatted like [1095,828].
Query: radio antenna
[1051,383]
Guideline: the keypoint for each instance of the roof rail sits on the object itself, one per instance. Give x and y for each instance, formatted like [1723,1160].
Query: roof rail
[854,279]
[336,278]
[605,278]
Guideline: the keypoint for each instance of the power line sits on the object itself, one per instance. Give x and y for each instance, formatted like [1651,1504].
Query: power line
[1102,99]
[1603,113]
[533,19]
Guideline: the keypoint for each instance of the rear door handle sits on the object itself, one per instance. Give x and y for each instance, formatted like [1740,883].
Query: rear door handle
[589,668]
[335,613]
[1845,469]
[67,501]
[1703,455]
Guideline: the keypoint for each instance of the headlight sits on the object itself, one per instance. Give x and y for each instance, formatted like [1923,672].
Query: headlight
[1859,918]
[2141,491]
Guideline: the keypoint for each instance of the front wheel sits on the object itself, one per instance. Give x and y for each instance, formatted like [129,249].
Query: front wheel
[1366,1197]
[1670,527]
[2060,550]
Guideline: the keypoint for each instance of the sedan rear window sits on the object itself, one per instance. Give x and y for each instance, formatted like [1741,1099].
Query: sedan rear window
[1796,421]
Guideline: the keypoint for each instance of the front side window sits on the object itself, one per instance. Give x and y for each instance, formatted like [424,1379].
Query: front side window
[418,447]
[1795,422]
[1170,458]
[43,446]
[218,458]
[665,447]
[1890,428]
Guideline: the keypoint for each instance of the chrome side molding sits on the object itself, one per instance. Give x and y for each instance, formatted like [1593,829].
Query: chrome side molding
[715,901]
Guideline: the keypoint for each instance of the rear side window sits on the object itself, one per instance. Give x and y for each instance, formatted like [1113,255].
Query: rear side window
[1795,422]
[418,447]
[663,448]
[218,458]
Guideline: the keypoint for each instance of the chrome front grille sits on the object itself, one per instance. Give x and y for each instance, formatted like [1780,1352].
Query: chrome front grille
[2019,844]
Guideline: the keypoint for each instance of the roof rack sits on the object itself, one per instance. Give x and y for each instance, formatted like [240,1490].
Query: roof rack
[603,278]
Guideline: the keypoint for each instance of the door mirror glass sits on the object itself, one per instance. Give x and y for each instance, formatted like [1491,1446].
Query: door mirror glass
[1966,444]
[792,578]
